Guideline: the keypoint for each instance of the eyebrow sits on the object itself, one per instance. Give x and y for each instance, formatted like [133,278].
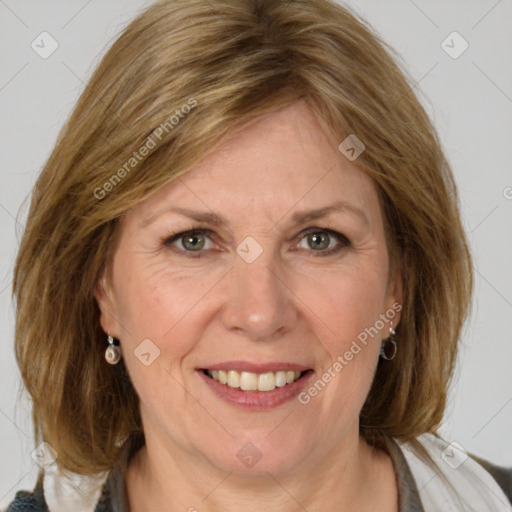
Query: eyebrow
[206,217]
[306,216]
[299,217]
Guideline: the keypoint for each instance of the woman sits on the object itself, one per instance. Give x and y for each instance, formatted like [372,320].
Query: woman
[244,276]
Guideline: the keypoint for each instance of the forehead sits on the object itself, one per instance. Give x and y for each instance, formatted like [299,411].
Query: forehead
[278,163]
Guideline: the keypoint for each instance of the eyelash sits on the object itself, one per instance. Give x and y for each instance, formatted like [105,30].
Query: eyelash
[342,239]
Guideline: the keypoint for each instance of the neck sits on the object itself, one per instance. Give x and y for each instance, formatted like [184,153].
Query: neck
[352,476]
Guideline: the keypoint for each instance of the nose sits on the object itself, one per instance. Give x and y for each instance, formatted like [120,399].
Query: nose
[260,306]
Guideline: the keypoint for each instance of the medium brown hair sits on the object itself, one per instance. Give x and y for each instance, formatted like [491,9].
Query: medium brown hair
[236,59]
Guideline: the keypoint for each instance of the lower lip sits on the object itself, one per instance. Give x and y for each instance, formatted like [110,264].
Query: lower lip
[257,400]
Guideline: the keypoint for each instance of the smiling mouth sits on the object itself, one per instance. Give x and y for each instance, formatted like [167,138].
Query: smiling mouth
[248,381]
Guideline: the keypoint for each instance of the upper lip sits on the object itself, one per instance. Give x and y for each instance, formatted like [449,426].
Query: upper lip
[248,366]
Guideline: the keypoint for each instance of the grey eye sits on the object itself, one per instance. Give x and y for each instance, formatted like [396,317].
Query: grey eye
[193,242]
[318,241]
[323,242]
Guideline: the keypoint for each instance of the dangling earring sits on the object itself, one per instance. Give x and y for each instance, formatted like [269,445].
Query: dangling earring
[386,343]
[113,352]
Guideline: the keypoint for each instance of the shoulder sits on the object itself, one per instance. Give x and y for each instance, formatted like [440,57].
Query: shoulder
[64,493]
[453,478]
[503,476]
[26,501]
[58,490]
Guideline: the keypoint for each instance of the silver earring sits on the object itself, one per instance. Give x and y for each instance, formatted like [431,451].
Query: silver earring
[389,342]
[113,352]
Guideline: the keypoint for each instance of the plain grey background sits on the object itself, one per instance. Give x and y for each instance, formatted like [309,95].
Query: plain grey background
[468,94]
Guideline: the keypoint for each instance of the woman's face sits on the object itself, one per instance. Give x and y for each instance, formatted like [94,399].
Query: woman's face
[268,257]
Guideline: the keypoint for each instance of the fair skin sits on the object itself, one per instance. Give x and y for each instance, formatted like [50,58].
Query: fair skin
[303,300]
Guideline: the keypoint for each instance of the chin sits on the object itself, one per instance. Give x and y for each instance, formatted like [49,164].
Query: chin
[257,455]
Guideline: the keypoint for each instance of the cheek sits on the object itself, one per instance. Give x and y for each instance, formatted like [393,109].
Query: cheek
[348,301]
[345,311]
[153,302]
[161,307]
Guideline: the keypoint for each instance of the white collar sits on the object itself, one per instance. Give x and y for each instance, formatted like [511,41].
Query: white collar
[468,485]
[65,491]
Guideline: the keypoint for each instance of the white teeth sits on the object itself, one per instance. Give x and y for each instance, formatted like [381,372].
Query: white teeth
[280,379]
[266,381]
[223,377]
[248,381]
[233,379]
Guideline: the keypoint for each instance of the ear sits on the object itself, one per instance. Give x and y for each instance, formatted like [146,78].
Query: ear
[395,298]
[395,294]
[103,294]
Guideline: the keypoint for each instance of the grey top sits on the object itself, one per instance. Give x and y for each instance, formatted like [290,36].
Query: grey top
[114,497]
